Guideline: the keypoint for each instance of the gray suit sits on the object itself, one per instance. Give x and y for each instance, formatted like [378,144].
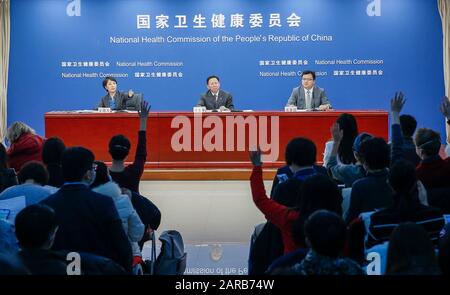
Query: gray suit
[209,101]
[298,97]
[120,98]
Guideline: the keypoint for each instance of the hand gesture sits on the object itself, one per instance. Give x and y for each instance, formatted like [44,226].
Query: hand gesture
[397,102]
[445,107]
[337,132]
[145,109]
[255,157]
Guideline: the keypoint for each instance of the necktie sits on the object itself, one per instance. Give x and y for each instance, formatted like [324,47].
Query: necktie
[308,99]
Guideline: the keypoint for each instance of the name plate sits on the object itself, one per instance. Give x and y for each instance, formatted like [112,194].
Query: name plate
[104,110]
[199,109]
[290,109]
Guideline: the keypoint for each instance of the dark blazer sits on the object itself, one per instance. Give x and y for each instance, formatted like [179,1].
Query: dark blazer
[120,98]
[297,97]
[89,222]
[209,101]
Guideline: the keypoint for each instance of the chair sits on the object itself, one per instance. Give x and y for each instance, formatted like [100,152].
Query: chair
[134,102]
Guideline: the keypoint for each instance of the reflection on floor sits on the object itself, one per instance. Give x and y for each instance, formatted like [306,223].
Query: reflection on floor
[215,218]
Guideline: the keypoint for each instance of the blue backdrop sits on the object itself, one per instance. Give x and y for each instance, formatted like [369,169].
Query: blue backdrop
[363,51]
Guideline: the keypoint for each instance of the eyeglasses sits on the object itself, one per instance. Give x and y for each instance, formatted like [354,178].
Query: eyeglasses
[307,79]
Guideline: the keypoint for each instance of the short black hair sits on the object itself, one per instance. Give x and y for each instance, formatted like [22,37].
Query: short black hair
[408,124]
[119,147]
[33,170]
[34,225]
[326,232]
[52,151]
[402,176]
[76,161]
[428,140]
[309,72]
[212,77]
[101,175]
[375,153]
[300,151]
[109,78]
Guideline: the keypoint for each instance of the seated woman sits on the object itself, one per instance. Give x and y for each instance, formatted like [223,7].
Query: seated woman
[114,99]
[26,145]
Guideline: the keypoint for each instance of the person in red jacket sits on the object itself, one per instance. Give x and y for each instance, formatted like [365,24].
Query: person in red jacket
[26,145]
[317,192]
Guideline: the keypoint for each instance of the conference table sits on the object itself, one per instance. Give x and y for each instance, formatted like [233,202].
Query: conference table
[186,140]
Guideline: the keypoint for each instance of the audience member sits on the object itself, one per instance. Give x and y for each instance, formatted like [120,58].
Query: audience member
[26,145]
[406,207]
[318,192]
[411,252]
[131,222]
[36,227]
[346,123]
[408,125]
[346,173]
[33,179]
[88,221]
[119,147]
[372,191]
[51,156]
[326,235]
[8,175]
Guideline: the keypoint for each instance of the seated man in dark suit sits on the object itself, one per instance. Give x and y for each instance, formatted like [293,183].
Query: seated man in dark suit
[308,95]
[114,99]
[88,221]
[214,98]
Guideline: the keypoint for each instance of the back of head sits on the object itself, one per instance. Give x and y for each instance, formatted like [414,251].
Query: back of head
[410,248]
[16,130]
[35,171]
[76,161]
[408,124]
[402,177]
[359,140]
[52,151]
[119,147]
[375,153]
[429,141]
[35,226]
[301,152]
[326,233]
[101,175]
[318,192]
[347,123]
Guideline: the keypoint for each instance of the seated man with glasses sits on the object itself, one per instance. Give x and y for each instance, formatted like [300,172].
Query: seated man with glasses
[308,96]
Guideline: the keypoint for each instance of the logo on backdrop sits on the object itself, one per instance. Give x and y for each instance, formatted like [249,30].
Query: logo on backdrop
[74,8]
[374,8]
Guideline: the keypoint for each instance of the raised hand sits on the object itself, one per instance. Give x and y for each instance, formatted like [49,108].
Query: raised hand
[145,109]
[337,132]
[255,157]
[397,102]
